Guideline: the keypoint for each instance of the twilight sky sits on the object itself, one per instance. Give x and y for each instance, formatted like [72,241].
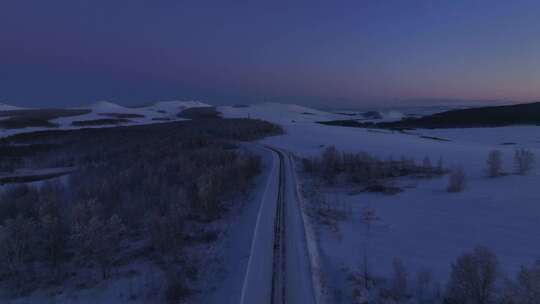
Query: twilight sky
[322,53]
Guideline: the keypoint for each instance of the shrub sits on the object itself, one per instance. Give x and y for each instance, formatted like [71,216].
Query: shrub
[473,278]
[330,163]
[456,181]
[18,243]
[427,166]
[53,239]
[439,169]
[175,289]
[523,161]
[399,283]
[424,286]
[494,163]
[165,232]
[526,288]
[95,236]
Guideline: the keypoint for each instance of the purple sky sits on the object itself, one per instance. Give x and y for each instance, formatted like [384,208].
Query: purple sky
[328,53]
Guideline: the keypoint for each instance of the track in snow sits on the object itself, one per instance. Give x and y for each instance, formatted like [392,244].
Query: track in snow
[279,254]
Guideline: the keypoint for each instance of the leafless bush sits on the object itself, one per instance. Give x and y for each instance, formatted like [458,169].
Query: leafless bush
[330,163]
[456,181]
[427,166]
[439,169]
[523,161]
[473,278]
[362,168]
[18,242]
[424,286]
[96,238]
[326,212]
[175,289]
[525,289]
[494,163]
[399,288]
[54,241]
[165,232]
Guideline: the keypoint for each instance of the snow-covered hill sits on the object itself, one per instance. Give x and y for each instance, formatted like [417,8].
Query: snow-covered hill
[279,113]
[99,114]
[8,107]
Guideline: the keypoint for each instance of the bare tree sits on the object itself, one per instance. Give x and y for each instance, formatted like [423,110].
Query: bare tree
[526,288]
[473,278]
[427,167]
[523,161]
[494,163]
[53,231]
[165,232]
[95,237]
[456,182]
[368,217]
[439,169]
[330,162]
[424,286]
[399,282]
[54,241]
[18,241]
[102,238]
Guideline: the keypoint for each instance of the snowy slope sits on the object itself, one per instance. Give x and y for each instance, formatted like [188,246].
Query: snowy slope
[172,108]
[159,111]
[7,107]
[106,107]
[154,113]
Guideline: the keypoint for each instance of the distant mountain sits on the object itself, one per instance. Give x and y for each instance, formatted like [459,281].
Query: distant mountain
[278,113]
[492,116]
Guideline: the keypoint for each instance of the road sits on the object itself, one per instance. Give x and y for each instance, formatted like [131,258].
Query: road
[279,266]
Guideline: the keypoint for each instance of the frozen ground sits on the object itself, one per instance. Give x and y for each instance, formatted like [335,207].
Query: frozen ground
[424,226]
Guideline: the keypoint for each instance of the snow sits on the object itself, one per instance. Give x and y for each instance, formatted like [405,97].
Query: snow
[172,108]
[320,289]
[300,250]
[159,110]
[279,113]
[226,284]
[106,107]
[139,282]
[425,226]
[258,275]
[297,275]
[7,107]
[395,113]
[154,113]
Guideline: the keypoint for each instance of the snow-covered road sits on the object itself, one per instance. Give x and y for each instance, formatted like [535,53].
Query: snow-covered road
[279,268]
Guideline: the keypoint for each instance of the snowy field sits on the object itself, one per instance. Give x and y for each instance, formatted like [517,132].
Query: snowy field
[163,111]
[425,226]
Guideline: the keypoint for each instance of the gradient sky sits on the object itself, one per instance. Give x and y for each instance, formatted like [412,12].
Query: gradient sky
[327,53]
